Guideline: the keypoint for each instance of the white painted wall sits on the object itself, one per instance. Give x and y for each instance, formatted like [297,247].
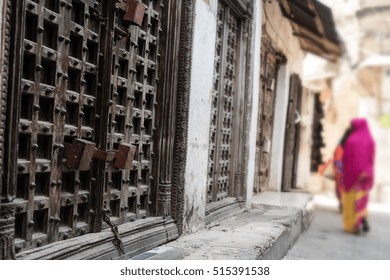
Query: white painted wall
[199,114]
[255,97]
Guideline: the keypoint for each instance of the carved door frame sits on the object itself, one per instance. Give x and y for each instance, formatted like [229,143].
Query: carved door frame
[7,219]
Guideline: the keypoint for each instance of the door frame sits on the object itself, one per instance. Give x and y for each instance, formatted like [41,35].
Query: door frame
[292,134]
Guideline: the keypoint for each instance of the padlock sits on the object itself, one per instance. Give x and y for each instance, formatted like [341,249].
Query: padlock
[135,12]
[124,156]
[79,154]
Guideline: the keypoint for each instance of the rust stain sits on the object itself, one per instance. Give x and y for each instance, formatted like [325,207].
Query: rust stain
[207,2]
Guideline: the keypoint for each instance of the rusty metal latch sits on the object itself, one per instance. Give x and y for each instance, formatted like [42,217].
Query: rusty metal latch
[134,11]
[117,239]
[79,154]
[124,156]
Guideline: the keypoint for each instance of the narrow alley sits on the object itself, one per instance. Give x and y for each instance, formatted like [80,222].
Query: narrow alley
[325,239]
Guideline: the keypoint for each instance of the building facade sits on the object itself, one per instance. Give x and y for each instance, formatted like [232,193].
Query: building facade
[125,124]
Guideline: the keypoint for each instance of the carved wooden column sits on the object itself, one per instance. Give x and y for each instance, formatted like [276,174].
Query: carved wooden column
[183,97]
[7,237]
[7,218]
[166,102]
[172,107]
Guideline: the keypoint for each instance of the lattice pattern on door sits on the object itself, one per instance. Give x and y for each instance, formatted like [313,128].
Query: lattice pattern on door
[268,78]
[219,165]
[132,111]
[60,92]
[58,99]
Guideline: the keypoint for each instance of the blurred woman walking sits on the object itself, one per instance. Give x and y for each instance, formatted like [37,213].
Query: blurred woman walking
[338,166]
[358,169]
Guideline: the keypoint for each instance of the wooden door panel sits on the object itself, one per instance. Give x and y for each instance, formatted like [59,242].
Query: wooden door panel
[131,112]
[58,96]
[85,73]
[220,179]
[268,78]
[290,147]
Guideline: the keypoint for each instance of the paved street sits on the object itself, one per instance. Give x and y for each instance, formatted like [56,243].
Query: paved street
[325,240]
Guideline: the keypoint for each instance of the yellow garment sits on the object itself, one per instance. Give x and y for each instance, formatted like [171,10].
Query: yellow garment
[350,215]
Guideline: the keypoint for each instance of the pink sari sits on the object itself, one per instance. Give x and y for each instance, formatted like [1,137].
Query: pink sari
[358,166]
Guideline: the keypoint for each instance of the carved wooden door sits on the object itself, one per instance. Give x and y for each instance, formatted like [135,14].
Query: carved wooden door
[290,159]
[131,111]
[268,77]
[85,73]
[57,97]
[220,167]
[317,139]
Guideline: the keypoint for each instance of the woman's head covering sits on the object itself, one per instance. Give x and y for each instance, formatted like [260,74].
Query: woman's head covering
[345,136]
[359,155]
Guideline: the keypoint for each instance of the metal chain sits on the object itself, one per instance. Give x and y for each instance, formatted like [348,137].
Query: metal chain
[117,241]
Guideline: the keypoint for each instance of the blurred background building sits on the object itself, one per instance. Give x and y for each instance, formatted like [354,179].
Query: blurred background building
[359,84]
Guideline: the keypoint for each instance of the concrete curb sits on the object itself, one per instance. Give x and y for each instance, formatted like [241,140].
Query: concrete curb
[267,231]
[302,203]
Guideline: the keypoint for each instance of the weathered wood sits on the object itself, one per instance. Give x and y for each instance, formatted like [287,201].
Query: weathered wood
[166,112]
[270,62]
[183,96]
[317,138]
[297,140]
[7,235]
[7,217]
[220,179]
[312,22]
[11,80]
[126,80]
[226,166]
[290,145]
[137,237]
[132,112]
[84,73]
